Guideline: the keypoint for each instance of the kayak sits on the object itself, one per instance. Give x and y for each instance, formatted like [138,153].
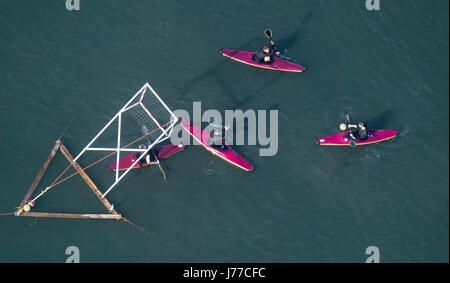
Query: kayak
[374,136]
[163,152]
[228,154]
[246,57]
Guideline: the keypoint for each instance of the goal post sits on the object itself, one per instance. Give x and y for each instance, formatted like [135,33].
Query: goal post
[153,116]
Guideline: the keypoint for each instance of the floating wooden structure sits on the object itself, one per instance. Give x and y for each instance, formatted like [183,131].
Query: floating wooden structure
[112,214]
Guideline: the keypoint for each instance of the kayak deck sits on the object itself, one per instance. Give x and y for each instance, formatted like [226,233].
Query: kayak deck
[246,57]
[228,155]
[374,136]
[163,151]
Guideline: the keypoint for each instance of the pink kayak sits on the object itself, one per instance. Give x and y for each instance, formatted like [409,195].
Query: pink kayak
[246,57]
[163,151]
[374,137]
[228,155]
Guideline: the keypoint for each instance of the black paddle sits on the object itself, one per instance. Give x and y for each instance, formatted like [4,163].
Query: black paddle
[352,141]
[268,33]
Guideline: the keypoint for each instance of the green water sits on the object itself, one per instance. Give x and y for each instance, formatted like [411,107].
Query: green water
[305,204]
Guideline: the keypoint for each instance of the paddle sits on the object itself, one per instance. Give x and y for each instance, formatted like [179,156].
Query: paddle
[159,165]
[268,33]
[145,133]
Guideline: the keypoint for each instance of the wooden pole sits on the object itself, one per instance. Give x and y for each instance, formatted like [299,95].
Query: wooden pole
[87,179]
[38,177]
[73,216]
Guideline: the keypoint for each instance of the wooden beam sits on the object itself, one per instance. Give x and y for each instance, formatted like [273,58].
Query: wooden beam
[86,178]
[72,215]
[38,177]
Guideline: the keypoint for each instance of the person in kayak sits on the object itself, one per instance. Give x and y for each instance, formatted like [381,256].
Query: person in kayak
[149,158]
[216,141]
[358,132]
[265,55]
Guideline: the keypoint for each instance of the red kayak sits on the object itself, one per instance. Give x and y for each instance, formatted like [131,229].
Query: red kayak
[228,155]
[374,136]
[246,57]
[163,151]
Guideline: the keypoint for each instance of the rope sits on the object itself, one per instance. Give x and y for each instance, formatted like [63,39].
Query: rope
[4,214]
[155,237]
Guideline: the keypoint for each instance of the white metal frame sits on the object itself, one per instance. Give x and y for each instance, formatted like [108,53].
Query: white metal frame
[164,135]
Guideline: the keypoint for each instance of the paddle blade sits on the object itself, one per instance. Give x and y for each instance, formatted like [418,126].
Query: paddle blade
[268,33]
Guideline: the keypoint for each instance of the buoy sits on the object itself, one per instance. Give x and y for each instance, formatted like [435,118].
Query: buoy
[343,127]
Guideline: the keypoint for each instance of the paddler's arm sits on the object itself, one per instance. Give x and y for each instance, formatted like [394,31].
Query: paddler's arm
[273,49]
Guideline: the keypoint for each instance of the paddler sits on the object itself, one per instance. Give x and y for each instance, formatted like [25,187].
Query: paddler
[265,55]
[358,132]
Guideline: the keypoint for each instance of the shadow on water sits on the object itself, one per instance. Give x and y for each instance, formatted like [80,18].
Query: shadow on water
[237,98]
[294,38]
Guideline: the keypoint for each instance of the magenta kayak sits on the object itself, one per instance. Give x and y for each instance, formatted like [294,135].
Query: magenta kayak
[246,57]
[374,137]
[228,155]
[163,151]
